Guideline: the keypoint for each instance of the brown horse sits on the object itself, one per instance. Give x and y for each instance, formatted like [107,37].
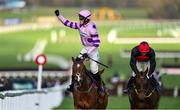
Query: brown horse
[85,90]
[143,95]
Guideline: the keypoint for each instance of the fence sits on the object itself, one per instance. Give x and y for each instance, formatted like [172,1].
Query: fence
[46,99]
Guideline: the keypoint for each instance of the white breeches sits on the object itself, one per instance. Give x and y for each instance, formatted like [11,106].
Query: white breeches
[94,55]
[142,66]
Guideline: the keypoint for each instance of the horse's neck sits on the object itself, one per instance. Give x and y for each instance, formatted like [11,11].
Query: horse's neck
[86,82]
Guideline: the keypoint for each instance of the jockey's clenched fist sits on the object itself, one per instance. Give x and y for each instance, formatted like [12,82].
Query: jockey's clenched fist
[56,12]
[85,55]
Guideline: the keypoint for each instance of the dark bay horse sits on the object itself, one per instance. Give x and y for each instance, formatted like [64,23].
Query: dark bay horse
[143,95]
[85,90]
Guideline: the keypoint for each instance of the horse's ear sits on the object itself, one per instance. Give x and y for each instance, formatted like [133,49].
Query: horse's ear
[73,59]
[102,71]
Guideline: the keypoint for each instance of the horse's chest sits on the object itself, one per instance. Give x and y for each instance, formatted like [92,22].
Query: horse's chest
[85,100]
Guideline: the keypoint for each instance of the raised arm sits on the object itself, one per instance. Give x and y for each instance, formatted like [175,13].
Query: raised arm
[74,25]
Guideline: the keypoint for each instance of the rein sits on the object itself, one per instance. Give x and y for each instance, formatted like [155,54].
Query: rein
[146,96]
[89,89]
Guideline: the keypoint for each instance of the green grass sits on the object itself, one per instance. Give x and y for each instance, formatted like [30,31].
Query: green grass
[113,103]
[132,13]
[142,30]
[147,32]
[122,102]
[171,81]
[169,103]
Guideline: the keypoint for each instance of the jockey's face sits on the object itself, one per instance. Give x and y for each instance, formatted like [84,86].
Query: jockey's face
[81,19]
[143,53]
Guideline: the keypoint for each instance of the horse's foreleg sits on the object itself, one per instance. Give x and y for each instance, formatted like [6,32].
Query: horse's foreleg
[77,108]
[134,106]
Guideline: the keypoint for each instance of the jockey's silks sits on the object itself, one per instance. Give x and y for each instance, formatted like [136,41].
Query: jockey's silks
[142,58]
[88,33]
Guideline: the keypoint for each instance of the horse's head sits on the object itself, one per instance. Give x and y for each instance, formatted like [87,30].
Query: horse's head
[78,69]
[141,84]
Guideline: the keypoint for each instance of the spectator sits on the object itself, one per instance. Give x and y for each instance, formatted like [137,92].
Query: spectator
[3,84]
[115,79]
[117,83]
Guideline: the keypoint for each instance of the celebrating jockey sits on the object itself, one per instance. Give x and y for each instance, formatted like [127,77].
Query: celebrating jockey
[142,57]
[89,38]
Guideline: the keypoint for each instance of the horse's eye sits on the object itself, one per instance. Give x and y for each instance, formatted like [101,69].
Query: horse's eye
[77,74]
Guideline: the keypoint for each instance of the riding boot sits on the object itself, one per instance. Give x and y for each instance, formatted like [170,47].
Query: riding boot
[129,84]
[155,83]
[70,88]
[98,82]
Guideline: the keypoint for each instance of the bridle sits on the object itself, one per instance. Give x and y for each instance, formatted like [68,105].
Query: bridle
[83,91]
[80,79]
[145,91]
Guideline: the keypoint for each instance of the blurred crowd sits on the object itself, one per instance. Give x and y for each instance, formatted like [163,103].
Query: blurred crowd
[22,83]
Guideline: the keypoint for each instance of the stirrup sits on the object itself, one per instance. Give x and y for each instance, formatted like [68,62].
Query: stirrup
[125,91]
[158,88]
[101,89]
[70,88]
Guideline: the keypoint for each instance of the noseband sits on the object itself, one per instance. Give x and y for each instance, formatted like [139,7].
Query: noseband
[84,91]
[144,90]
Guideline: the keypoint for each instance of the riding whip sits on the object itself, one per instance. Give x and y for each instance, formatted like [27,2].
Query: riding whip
[97,61]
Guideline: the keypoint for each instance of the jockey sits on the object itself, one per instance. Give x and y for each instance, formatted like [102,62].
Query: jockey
[142,57]
[89,38]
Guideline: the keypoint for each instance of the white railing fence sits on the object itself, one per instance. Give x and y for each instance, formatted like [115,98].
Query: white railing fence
[45,99]
[32,99]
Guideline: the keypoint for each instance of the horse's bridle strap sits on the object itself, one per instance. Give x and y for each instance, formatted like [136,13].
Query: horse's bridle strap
[146,96]
[90,88]
[150,93]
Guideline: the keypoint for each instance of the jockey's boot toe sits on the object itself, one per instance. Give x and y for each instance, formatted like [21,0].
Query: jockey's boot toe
[158,88]
[70,88]
[125,91]
[101,91]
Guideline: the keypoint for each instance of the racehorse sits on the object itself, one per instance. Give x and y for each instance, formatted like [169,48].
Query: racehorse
[143,95]
[85,93]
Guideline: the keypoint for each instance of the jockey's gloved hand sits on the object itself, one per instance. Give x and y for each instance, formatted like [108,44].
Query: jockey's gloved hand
[56,12]
[85,55]
[78,59]
[147,76]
